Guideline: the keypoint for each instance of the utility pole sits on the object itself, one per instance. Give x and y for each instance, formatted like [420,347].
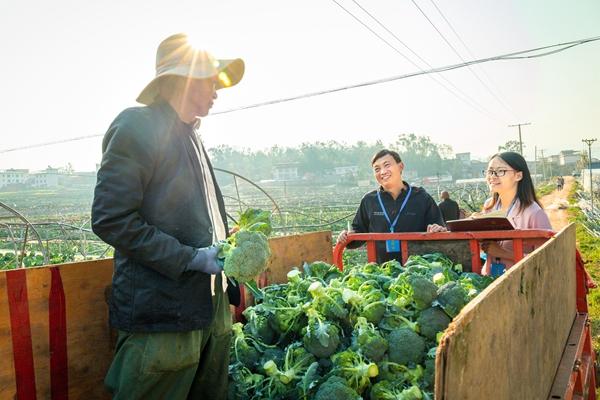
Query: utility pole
[543,165]
[589,143]
[520,140]
[535,167]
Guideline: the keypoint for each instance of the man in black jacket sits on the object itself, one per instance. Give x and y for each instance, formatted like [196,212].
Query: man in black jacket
[158,204]
[395,206]
[449,207]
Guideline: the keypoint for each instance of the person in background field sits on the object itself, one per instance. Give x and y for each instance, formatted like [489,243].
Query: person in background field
[449,207]
[158,204]
[513,195]
[560,182]
[394,207]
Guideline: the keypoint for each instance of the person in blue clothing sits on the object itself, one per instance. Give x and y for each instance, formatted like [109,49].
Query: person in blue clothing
[395,206]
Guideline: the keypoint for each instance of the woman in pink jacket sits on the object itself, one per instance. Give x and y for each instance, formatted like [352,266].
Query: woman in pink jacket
[513,195]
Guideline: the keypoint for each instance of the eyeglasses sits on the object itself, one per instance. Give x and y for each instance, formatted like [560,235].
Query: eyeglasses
[498,173]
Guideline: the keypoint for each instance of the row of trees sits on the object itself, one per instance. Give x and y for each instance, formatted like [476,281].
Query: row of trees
[419,153]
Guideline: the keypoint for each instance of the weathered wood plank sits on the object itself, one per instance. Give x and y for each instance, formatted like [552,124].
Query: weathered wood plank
[38,288]
[88,335]
[8,387]
[88,345]
[294,250]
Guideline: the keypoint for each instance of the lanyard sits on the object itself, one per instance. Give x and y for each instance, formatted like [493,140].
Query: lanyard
[385,214]
[509,208]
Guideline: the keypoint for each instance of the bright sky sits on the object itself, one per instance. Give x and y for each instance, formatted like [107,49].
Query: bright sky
[69,67]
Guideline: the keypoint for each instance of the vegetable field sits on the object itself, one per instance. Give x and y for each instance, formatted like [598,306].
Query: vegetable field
[59,229]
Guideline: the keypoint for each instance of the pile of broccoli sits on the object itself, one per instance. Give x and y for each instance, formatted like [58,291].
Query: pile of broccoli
[369,332]
[245,253]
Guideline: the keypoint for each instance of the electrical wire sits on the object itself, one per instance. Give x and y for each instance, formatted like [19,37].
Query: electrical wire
[499,97]
[31,146]
[458,54]
[374,33]
[509,56]
[467,100]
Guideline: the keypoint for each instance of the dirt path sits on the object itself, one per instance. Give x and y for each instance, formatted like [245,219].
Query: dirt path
[556,204]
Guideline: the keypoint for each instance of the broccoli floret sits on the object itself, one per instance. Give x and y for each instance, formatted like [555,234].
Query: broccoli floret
[406,346]
[373,303]
[452,298]
[479,282]
[413,289]
[416,260]
[307,386]
[393,320]
[367,301]
[398,373]
[429,373]
[474,283]
[242,381]
[391,268]
[412,393]
[328,301]
[335,388]
[295,363]
[275,354]
[283,317]
[374,311]
[368,340]
[246,254]
[383,273]
[297,287]
[322,270]
[258,325]
[351,366]
[322,337]
[424,291]
[244,348]
[386,390]
[431,321]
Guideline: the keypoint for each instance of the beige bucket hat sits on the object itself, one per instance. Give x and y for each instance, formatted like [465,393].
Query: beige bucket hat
[176,56]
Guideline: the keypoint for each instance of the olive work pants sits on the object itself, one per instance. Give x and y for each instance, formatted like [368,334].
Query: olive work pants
[174,365]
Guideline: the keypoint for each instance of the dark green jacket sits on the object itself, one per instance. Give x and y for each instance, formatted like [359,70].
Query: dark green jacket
[149,204]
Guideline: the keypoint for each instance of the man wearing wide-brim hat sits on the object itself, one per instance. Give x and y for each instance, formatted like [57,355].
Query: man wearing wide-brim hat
[158,204]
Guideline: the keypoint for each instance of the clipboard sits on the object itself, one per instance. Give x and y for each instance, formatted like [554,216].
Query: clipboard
[480,224]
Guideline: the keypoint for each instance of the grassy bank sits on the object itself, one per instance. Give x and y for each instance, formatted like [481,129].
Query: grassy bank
[544,188]
[590,250]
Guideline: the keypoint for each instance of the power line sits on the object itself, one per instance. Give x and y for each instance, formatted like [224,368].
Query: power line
[468,98]
[31,146]
[374,33]
[457,53]
[499,97]
[478,107]
[510,56]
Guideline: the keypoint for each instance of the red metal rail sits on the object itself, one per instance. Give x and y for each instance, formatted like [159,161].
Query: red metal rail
[474,238]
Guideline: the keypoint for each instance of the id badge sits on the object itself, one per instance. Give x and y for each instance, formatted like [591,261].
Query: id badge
[392,246]
[497,268]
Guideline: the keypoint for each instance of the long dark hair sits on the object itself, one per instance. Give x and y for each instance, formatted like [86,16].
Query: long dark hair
[525,188]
